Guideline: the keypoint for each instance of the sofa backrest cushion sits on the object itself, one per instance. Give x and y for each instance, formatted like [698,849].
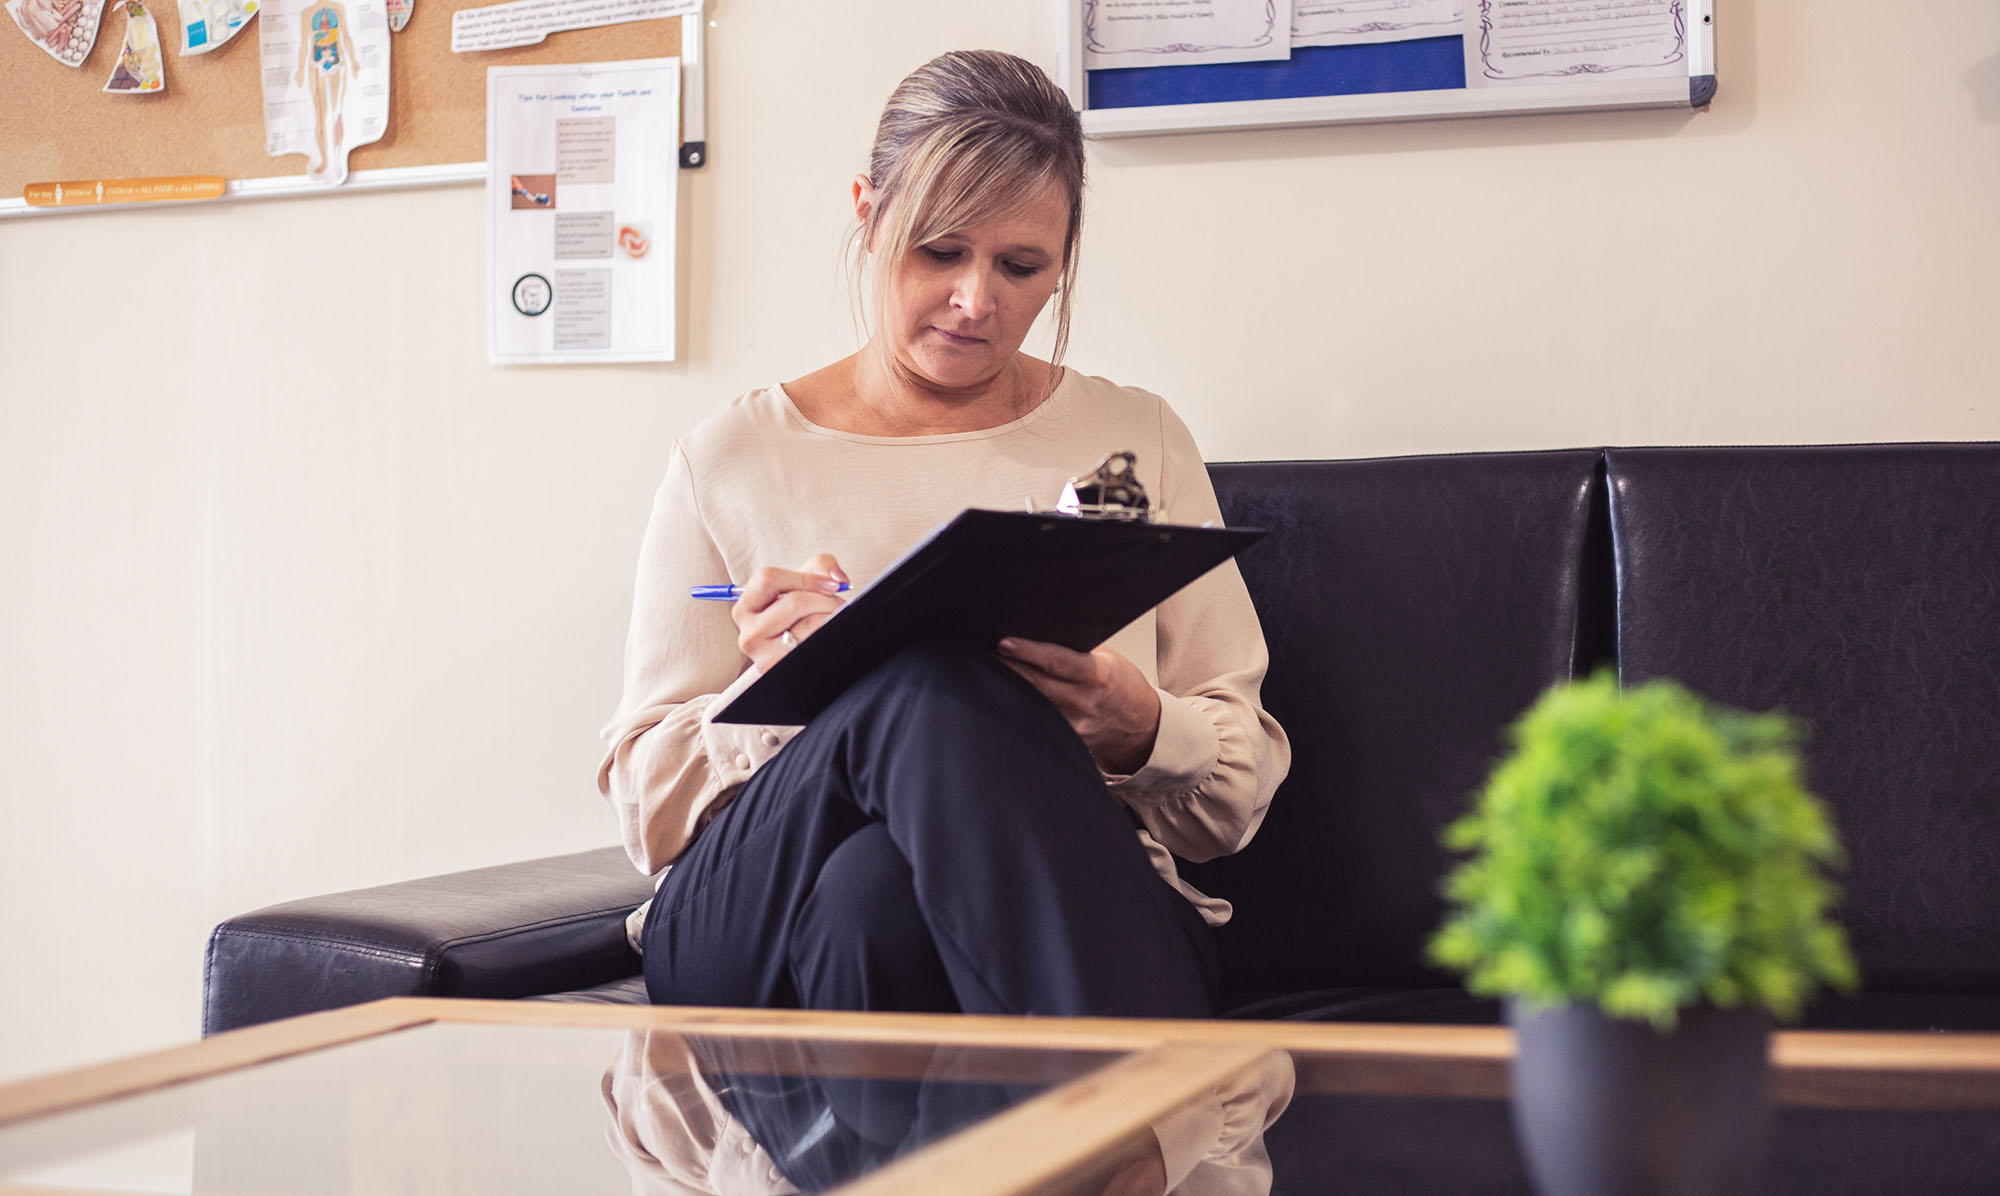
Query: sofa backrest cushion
[1413,608]
[1857,588]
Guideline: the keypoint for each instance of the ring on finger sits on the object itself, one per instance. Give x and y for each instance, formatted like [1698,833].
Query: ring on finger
[786,638]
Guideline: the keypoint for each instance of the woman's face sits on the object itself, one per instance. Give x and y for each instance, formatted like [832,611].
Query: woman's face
[960,305]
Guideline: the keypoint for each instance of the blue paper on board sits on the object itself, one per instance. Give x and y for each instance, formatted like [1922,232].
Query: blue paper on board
[1427,64]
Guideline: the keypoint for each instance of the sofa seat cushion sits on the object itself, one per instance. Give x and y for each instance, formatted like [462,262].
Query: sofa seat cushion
[1418,1006]
[1904,1012]
[629,991]
[515,930]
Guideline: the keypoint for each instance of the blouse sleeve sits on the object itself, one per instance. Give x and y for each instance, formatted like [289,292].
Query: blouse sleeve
[667,768]
[1218,756]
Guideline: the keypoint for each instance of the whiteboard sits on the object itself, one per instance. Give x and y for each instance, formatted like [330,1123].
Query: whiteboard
[1324,85]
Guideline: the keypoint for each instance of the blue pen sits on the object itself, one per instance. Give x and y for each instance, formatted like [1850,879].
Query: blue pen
[731,593]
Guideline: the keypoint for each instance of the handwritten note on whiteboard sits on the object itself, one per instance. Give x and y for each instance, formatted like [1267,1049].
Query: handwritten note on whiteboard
[1358,22]
[1119,33]
[1534,41]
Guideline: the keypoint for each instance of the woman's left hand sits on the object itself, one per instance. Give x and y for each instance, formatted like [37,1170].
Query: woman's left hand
[1102,694]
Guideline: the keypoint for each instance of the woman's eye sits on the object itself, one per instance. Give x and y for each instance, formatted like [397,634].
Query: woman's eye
[1021,270]
[940,255]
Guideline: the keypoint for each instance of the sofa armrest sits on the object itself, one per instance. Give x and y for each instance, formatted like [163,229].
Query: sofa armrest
[517,930]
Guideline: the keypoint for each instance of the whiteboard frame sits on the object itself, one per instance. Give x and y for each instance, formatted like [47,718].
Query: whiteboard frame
[1692,90]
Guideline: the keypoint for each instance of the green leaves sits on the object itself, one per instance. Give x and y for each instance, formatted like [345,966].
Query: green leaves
[1645,851]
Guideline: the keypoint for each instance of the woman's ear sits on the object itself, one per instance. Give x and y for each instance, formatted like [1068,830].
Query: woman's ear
[864,201]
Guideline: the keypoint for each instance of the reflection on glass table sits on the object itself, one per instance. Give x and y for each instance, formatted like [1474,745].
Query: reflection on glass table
[439,1096]
[445,1107]
[694,1114]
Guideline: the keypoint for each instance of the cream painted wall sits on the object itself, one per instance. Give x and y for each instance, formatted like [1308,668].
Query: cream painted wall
[299,595]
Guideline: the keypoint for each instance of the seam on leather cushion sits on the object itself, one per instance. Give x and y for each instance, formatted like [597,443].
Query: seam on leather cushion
[341,942]
[619,910]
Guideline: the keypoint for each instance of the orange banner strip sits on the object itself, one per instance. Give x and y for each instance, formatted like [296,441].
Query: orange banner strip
[96,191]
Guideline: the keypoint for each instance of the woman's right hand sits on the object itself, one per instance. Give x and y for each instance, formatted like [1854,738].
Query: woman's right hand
[780,607]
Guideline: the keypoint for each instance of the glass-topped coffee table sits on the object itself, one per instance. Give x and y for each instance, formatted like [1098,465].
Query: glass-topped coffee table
[500,1097]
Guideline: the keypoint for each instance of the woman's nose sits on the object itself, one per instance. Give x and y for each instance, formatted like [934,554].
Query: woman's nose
[973,293]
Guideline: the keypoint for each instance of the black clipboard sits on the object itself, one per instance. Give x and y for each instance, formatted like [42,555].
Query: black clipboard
[987,574]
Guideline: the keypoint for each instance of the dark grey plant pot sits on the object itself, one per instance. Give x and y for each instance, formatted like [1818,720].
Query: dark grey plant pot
[1606,1107]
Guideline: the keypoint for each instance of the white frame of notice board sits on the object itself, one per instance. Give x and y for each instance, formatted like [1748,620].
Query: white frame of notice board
[1586,93]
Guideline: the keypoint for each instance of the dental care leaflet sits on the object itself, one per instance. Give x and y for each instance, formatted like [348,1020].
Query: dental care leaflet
[581,201]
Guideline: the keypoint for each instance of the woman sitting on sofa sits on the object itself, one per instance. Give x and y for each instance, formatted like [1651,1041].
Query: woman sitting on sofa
[986,831]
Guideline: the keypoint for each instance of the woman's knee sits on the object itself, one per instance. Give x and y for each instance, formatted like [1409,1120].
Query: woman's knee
[865,895]
[861,941]
[946,733]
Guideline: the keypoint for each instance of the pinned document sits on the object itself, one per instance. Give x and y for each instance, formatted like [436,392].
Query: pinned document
[1120,33]
[581,204]
[139,70]
[65,29]
[1362,22]
[1543,41]
[527,22]
[326,80]
[206,24]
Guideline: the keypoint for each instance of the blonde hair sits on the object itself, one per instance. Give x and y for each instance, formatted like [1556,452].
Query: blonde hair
[969,137]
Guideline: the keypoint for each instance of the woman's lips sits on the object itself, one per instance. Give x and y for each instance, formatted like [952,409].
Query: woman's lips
[953,338]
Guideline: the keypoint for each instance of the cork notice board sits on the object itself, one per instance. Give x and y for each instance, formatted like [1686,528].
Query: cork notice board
[57,123]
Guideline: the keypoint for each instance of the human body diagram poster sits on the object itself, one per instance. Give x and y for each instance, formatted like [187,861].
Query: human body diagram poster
[582,198]
[326,80]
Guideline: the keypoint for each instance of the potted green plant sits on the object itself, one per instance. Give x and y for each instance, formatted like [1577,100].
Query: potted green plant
[1647,888]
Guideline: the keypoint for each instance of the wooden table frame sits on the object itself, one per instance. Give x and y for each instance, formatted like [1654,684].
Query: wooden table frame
[1027,1148]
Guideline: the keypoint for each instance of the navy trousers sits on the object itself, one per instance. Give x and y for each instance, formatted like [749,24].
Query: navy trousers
[937,840]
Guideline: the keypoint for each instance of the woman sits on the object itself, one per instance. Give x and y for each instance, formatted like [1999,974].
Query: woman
[957,831]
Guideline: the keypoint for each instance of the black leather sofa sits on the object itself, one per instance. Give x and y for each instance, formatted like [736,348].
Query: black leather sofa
[1414,606]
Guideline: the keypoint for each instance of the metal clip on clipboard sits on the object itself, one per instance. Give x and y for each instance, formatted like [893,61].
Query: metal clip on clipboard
[1111,491]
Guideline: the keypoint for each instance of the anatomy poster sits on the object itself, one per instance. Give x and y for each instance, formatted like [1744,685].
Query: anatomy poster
[326,80]
[581,200]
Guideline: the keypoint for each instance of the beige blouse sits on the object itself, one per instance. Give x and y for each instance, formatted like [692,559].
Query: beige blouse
[758,484]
